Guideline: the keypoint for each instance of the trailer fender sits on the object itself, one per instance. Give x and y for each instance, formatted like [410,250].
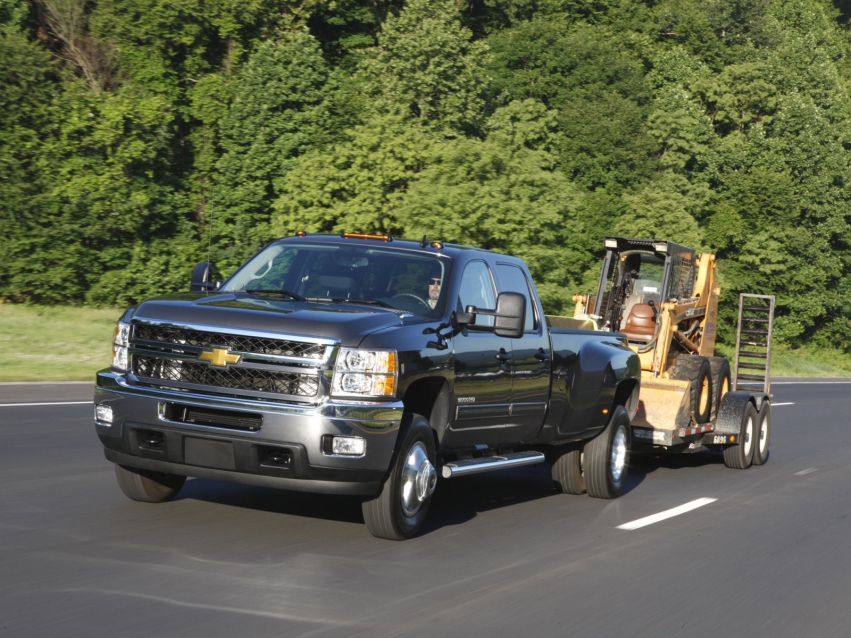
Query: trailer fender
[730,412]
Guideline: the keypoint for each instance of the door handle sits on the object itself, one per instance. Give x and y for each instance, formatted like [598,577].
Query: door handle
[502,355]
[542,356]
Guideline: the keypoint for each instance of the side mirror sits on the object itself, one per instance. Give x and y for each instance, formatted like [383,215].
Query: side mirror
[201,276]
[510,315]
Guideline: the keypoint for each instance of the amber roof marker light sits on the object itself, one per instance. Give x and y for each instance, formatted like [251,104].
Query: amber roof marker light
[300,233]
[387,238]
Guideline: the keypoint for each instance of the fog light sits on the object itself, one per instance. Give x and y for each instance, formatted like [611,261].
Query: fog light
[103,414]
[348,445]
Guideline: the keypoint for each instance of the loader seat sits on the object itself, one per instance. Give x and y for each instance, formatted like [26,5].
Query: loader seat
[640,325]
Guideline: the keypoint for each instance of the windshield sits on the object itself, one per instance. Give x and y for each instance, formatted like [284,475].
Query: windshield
[347,273]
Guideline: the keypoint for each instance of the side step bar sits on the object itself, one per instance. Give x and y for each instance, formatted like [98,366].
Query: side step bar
[490,463]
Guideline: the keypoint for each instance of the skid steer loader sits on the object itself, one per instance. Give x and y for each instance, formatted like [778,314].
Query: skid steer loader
[664,298]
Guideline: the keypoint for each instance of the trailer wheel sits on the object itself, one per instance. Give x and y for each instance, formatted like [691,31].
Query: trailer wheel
[763,434]
[147,486]
[606,457]
[567,472]
[399,509]
[696,370]
[740,456]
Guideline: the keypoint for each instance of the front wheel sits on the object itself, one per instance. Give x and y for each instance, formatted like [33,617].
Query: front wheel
[147,486]
[400,508]
[607,456]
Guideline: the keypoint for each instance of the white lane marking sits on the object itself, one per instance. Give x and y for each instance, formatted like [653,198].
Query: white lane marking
[661,516]
[774,405]
[809,470]
[19,405]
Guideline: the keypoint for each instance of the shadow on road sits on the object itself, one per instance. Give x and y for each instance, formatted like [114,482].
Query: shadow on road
[455,502]
[640,465]
[335,508]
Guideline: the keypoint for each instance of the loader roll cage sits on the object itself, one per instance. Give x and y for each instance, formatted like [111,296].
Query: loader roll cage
[631,274]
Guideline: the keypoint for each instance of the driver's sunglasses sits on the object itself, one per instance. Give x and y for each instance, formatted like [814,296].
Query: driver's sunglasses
[433,281]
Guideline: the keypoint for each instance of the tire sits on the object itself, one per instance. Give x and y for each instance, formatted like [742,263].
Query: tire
[607,457]
[740,456]
[698,372]
[567,472]
[721,381]
[147,486]
[763,434]
[396,513]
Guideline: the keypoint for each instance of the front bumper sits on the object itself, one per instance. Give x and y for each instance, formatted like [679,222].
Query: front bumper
[286,451]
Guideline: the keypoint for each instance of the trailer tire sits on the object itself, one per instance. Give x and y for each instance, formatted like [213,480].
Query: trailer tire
[607,457]
[399,509]
[147,486]
[740,456]
[763,434]
[567,472]
[721,381]
[698,372]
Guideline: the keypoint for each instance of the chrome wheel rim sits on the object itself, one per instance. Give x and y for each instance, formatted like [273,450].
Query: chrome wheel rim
[417,481]
[619,453]
[748,436]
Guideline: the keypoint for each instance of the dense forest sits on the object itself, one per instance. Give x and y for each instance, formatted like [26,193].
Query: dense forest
[139,136]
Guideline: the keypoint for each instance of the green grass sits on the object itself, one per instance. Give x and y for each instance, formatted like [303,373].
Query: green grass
[62,343]
[54,343]
[801,362]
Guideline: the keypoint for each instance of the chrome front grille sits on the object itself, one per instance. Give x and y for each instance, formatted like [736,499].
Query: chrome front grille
[238,343]
[295,384]
[259,366]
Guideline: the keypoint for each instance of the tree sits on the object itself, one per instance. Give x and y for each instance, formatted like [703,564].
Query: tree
[357,184]
[426,67]
[279,112]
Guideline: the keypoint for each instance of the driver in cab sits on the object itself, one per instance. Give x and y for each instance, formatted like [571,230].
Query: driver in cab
[434,282]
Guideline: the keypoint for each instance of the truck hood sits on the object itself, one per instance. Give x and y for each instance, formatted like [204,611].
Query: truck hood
[346,322]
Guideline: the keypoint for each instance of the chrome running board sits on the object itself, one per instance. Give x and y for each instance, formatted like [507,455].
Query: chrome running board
[490,463]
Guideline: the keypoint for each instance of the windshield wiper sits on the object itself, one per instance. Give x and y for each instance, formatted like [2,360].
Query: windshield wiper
[367,302]
[287,293]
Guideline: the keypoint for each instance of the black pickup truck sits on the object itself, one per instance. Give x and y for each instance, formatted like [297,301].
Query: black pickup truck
[363,365]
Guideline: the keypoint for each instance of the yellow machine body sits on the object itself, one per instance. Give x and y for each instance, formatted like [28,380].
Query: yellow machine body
[683,325]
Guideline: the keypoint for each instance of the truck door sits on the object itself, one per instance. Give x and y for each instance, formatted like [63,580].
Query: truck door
[482,367]
[530,359]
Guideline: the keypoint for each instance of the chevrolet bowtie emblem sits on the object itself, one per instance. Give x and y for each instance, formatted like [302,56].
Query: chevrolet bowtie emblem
[219,357]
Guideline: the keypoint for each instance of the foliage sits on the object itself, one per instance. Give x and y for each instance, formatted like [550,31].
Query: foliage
[138,137]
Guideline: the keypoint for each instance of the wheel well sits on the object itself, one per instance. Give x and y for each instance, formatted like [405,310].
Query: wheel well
[627,396]
[430,398]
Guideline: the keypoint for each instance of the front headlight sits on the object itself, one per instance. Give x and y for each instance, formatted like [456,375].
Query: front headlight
[120,342]
[365,373]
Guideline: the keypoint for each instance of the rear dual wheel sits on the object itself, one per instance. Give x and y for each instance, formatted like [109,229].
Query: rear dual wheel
[568,473]
[606,457]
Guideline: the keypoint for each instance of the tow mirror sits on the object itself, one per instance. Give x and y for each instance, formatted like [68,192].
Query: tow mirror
[201,278]
[510,315]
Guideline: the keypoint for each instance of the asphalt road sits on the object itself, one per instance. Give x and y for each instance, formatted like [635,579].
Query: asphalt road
[501,554]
